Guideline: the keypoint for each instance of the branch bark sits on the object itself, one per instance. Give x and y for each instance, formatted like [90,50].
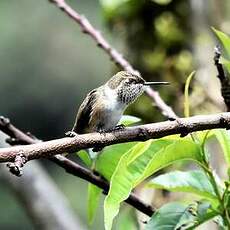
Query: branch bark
[181,126]
[70,166]
[114,55]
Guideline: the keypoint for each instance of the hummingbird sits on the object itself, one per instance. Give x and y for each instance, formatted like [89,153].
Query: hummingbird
[104,106]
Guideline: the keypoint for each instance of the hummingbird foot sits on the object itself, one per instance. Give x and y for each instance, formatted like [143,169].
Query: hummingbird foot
[70,134]
[119,127]
[97,149]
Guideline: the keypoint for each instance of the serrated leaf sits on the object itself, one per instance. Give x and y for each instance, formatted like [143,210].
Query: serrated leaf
[223,138]
[93,199]
[186,94]
[195,182]
[129,120]
[140,162]
[224,39]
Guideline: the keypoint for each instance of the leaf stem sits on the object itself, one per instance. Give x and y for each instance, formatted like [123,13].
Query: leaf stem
[226,203]
[207,168]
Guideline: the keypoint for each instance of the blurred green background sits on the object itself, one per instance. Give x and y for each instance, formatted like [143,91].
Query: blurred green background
[47,65]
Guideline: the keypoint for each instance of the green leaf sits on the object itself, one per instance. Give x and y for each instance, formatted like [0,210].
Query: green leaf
[184,149]
[224,39]
[226,63]
[127,220]
[112,4]
[110,155]
[140,162]
[115,9]
[195,182]
[204,211]
[107,160]
[129,120]
[84,156]
[162,2]
[169,217]
[186,94]
[224,139]
[179,216]
[220,223]
[93,199]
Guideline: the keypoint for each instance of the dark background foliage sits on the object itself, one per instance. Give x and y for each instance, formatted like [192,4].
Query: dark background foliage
[47,65]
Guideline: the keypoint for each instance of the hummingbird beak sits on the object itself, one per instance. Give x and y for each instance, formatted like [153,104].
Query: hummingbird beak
[156,83]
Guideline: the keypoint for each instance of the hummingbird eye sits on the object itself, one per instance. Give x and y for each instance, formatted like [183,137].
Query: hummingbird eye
[132,80]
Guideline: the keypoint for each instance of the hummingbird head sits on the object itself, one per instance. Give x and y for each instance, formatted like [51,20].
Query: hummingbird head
[129,86]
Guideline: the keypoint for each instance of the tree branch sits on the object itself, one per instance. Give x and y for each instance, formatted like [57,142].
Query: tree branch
[181,126]
[166,110]
[86,174]
[72,167]
[224,80]
[115,56]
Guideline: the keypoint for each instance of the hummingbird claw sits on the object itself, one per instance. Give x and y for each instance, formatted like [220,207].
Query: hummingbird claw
[102,131]
[70,134]
[97,149]
[119,127]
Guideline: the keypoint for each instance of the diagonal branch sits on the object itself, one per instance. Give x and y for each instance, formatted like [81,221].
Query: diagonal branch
[181,126]
[86,174]
[115,56]
[224,80]
[72,167]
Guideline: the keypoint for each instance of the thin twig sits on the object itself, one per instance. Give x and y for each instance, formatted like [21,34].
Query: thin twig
[219,66]
[224,80]
[86,174]
[114,55]
[166,110]
[72,167]
[181,126]
[16,166]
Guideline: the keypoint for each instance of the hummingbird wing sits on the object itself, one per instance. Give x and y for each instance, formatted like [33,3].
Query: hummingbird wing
[84,113]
